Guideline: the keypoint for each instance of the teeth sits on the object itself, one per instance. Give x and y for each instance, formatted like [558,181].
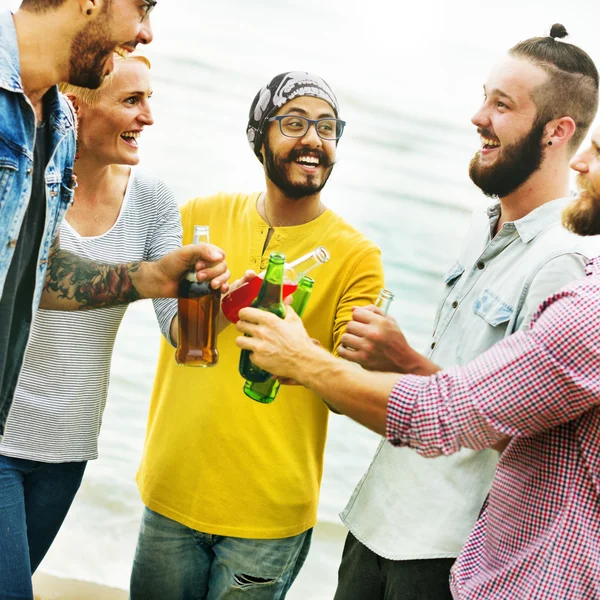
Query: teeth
[121,52]
[131,134]
[311,160]
[487,142]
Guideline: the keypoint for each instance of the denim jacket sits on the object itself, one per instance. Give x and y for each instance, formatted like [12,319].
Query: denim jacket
[17,140]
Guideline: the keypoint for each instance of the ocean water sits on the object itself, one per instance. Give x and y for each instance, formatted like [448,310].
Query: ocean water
[408,78]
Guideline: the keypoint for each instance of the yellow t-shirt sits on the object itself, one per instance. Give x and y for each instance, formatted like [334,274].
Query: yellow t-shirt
[214,459]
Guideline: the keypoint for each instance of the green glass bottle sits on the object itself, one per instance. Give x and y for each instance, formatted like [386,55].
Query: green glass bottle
[266,392]
[269,298]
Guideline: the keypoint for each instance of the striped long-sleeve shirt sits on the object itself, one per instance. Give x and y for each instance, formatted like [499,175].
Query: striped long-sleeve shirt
[57,409]
[539,535]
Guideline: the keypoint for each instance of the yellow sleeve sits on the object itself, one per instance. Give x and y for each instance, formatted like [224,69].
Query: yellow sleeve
[187,210]
[199,211]
[361,289]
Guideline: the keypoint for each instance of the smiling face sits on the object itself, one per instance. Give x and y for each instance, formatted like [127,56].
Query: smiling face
[118,27]
[110,129]
[511,137]
[583,214]
[299,167]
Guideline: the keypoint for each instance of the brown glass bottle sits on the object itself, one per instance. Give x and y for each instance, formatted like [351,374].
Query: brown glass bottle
[198,313]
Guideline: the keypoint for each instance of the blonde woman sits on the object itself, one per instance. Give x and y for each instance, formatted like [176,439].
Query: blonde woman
[119,215]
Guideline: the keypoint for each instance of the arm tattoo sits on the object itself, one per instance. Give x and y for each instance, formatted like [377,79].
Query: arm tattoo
[77,282]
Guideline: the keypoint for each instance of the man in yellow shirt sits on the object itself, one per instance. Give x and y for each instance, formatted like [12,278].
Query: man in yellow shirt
[231,485]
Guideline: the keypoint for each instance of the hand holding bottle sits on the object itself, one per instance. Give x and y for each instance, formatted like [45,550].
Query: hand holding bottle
[374,341]
[266,392]
[269,299]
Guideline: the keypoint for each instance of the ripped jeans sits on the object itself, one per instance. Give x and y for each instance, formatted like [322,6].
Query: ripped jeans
[174,562]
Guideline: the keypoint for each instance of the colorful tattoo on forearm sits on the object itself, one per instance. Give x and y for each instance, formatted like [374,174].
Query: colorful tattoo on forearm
[89,284]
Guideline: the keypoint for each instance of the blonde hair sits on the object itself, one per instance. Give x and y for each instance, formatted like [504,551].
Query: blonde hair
[91,97]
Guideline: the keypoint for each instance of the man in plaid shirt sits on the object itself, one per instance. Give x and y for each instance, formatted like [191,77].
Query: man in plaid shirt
[537,393]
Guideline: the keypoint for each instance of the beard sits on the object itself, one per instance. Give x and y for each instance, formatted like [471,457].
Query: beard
[277,173]
[89,51]
[517,162]
[582,216]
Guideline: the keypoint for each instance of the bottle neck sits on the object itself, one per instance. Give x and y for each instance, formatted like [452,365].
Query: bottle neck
[271,289]
[201,234]
[300,300]
[384,305]
[305,264]
[384,300]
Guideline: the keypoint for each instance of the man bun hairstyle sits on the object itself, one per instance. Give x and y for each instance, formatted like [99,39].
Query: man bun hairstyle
[571,89]
[558,31]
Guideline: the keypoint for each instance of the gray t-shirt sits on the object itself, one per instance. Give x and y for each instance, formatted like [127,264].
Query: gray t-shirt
[17,298]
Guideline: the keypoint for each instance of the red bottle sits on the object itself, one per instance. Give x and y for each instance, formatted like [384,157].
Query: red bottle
[243,296]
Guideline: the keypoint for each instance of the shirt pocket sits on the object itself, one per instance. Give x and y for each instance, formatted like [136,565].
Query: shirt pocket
[9,168]
[486,327]
[492,308]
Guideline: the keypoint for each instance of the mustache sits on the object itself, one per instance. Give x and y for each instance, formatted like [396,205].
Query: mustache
[485,132]
[298,152]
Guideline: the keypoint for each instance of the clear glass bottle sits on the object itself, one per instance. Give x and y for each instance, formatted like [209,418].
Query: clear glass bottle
[198,308]
[294,271]
[384,300]
[270,297]
[266,392]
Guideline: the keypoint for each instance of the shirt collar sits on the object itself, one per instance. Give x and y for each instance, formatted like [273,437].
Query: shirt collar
[10,72]
[533,223]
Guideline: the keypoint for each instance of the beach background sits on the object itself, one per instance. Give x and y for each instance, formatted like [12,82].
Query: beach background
[408,78]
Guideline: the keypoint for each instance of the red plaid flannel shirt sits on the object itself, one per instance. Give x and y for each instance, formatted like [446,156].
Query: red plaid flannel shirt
[539,535]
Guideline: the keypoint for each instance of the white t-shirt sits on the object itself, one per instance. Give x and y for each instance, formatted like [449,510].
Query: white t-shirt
[61,394]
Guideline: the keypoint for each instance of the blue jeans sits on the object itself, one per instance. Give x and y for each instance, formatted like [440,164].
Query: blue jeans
[174,562]
[34,500]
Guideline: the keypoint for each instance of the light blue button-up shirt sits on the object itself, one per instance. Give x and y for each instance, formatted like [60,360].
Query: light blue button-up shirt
[409,507]
[17,141]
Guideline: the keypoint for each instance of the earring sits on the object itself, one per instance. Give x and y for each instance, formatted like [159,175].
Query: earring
[88,12]
[549,142]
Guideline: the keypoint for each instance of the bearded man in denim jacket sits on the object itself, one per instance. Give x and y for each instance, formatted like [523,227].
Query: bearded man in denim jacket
[44,42]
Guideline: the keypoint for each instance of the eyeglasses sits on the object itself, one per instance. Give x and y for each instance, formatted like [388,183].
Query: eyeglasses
[147,8]
[295,126]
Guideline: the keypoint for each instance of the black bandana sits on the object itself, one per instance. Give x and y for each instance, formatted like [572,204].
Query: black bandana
[279,91]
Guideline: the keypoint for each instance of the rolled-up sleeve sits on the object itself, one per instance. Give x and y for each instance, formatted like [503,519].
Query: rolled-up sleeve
[528,383]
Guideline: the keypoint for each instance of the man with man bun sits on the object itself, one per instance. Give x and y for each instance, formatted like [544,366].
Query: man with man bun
[409,514]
